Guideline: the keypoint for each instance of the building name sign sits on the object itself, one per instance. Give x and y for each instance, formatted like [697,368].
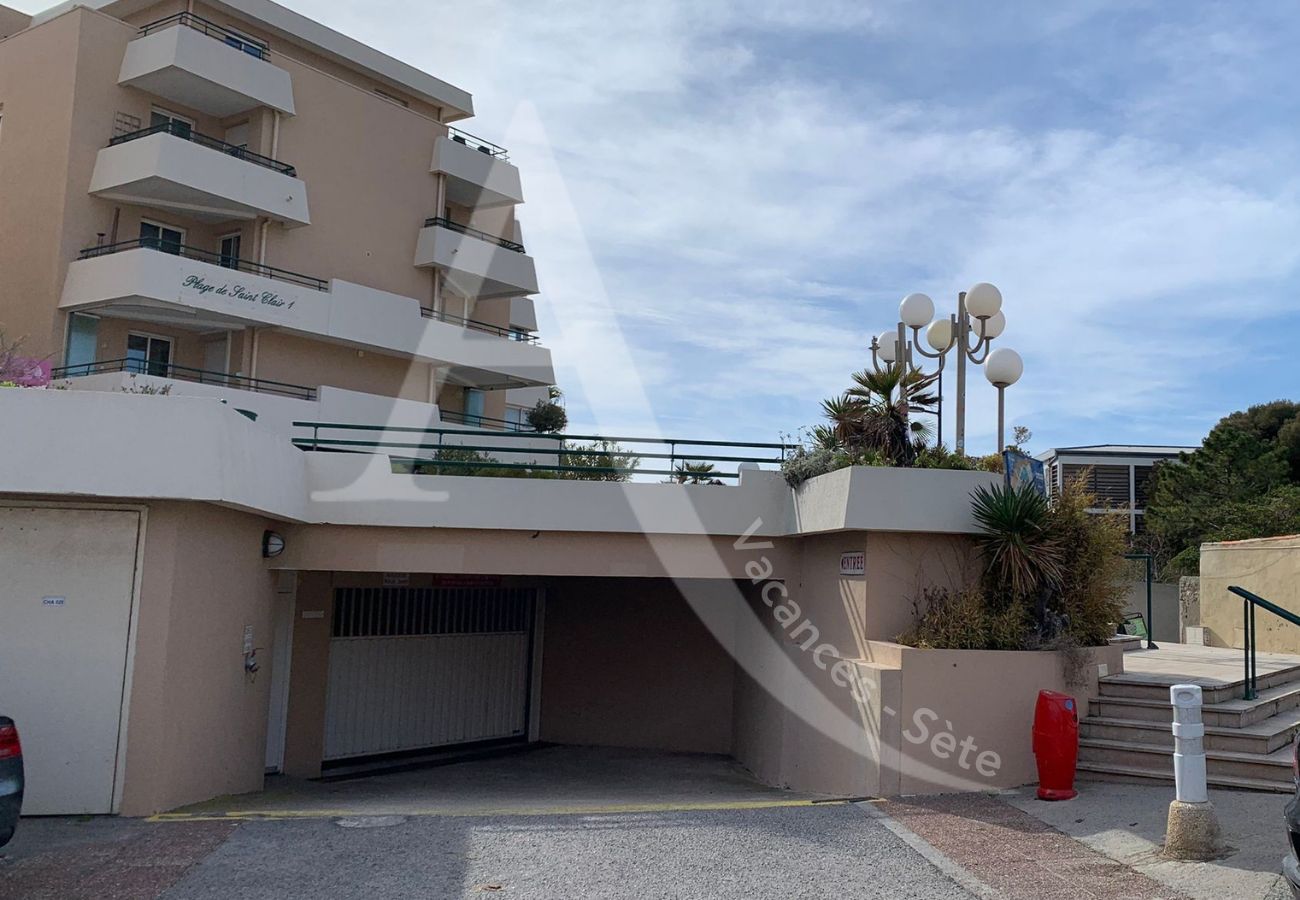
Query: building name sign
[237,291]
[853,562]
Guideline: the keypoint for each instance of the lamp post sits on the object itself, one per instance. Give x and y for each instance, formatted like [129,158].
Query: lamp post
[979,320]
[1003,368]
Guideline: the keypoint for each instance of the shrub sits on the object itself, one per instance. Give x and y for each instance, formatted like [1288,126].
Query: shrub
[548,417]
[964,620]
[1094,574]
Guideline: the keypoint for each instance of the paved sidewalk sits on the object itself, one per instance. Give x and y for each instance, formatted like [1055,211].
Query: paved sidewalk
[1126,822]
[1017,856]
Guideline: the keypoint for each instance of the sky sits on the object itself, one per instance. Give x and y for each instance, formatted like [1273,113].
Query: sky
[725,200]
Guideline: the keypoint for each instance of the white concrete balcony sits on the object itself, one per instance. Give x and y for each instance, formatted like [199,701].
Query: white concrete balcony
[196,63]
[475,263]
[174,168]
[184,287]
[479,174]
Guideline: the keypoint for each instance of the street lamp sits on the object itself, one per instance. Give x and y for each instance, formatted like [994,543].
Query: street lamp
[979,320]
[1003,368]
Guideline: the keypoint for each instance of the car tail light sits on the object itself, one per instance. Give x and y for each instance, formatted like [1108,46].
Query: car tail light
[9,746]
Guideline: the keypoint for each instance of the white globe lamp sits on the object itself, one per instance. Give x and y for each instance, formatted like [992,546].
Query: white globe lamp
[888,349]
[939,334]
[1004,367]
[916,310]
[983,300]
[992,326]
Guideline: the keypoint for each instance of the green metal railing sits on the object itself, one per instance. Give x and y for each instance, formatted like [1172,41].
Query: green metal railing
[679,451]
[1248,603]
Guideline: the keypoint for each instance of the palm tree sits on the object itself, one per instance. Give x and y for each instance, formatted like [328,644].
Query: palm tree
[695,473]
[872,415]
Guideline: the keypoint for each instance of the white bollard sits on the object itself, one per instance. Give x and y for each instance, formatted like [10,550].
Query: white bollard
[1192,831]
[1189,744]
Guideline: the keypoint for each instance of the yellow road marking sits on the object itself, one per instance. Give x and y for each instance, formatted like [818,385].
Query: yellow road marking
[458,812]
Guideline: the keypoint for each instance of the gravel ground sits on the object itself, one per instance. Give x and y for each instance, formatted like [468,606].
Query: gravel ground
[790,852]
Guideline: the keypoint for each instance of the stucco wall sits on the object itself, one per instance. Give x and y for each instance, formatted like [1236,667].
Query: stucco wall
[197,721]
[1269,567]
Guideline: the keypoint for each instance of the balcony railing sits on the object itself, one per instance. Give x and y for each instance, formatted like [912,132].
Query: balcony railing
[186,373]
[186,133]
[513,334]
[482,146]
[474,421]
[443,222]
[231,38]
[207,256]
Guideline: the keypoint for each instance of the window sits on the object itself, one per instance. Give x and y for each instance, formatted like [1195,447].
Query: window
[147,354]
[83,338]
[517,416]
[230,250]
[473,407]
[161,237]
[181,125]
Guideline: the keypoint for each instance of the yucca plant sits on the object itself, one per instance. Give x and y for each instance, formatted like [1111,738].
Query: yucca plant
[1022,557]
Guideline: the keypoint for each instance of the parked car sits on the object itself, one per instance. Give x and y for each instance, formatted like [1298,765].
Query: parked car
[11,779]
[1290,863]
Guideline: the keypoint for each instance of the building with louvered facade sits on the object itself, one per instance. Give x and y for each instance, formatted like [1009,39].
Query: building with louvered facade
[1118,474]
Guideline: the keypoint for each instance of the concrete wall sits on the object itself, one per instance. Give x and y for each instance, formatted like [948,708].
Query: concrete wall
[627,663]
[1269,567]
[197,724]
[1164,609]
[986,697]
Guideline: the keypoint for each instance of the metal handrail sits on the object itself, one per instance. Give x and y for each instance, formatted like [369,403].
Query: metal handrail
[674,455]
[444,222]
[185,373]
[482,146]
[227,36]
[187,133]
[1248,603]
[514,334]
[207,256]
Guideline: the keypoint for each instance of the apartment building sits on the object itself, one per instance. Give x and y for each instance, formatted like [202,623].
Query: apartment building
[1118,474]
[231,200]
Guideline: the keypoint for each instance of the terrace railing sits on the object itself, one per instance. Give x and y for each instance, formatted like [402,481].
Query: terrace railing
[482,146]
[444,222]
[1248,603]
[428,446]
[207,256]
[186,373]
[186,133]
[513,334]
[231,38]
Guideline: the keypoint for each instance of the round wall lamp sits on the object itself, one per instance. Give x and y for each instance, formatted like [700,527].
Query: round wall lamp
[272,544]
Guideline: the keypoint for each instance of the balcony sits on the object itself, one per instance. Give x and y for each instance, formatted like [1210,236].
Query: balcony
[188,374]
[185,287]
[513,334]
[173,167]
[475,263]
[479,174]
[205,66]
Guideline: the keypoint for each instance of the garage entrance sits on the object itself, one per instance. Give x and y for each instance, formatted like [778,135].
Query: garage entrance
[65,619]
[421,668]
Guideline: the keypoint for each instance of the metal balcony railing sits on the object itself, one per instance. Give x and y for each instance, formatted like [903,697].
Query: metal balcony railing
[482,146]
[186,373]
[207,256]
[229,37]
[513,334]
[475,421]
[186,133]
[444,222]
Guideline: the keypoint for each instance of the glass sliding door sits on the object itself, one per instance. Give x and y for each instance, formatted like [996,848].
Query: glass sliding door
[148,355]
[161,237]
[83,341]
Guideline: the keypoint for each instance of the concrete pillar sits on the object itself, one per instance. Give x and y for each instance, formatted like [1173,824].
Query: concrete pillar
[1192,830]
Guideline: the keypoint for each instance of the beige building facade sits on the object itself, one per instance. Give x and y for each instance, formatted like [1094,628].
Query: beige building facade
[236,200]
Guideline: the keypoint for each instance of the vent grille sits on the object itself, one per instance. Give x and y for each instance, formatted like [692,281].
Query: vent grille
[403,612]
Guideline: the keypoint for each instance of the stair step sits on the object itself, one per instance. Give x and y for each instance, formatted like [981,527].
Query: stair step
[1230,713]
[1088,771]
[1273,767]
[1150,686]
[1262,738]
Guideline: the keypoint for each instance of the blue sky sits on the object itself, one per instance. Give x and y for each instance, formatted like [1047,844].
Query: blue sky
[725,200]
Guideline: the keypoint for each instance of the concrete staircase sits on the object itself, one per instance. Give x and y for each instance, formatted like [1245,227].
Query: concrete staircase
[1126,735]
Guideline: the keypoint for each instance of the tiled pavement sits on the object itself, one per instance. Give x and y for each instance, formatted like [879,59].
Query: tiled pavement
[1015,854]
